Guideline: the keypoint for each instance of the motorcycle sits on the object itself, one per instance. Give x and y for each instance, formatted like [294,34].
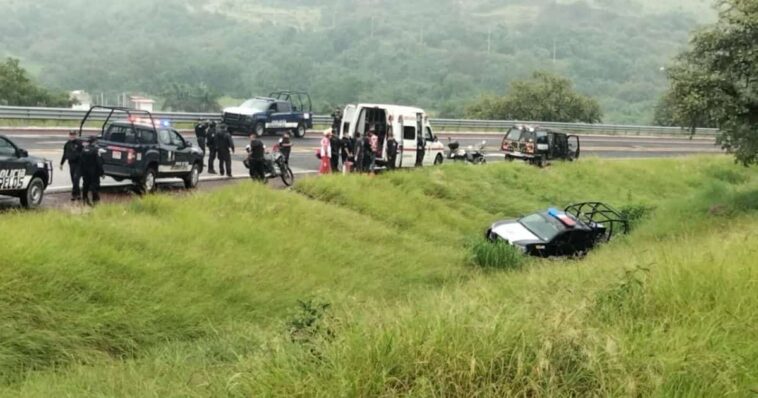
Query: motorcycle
[469,154]
[275,166]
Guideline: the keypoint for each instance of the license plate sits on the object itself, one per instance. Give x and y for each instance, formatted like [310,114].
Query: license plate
[116,155]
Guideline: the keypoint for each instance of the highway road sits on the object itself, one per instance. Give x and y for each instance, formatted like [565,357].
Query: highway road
[49,145]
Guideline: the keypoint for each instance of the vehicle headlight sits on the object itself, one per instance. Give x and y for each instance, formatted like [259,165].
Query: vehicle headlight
[521,248]
[307,116]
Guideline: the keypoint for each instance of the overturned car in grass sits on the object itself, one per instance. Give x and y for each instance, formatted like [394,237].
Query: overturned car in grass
[573,231]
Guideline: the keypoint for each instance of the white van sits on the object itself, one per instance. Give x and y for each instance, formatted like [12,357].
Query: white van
[405,123]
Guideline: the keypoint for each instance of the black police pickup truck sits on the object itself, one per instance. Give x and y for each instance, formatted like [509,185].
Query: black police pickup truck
[280,111]
[23,176]
[538,145]
[136,147]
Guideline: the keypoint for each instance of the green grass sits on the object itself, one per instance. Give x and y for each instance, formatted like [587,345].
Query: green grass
[220,294]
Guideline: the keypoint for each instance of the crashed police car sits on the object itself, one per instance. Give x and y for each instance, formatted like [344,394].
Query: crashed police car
[23,176]
[136,147]
[280,111]
[553,232]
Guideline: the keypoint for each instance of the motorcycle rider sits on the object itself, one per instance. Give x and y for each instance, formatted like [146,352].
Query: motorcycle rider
[257,158]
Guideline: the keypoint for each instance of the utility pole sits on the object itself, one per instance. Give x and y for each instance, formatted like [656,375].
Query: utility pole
[555,50]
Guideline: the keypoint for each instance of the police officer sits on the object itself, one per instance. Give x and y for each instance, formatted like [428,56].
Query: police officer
[211,135]
[257,158]
[72,152]
[391,151]
[225,149]
[420,150]
[92,170]
[201,131]
[335,143]
[336,122]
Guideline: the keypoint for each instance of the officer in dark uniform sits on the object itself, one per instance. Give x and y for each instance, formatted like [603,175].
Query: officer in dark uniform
[336,123]
[257,158]
[92,170]
[72,152]
[211,135]
[225,149]
[335,143]
[201,131]
[420,150]
[391,151]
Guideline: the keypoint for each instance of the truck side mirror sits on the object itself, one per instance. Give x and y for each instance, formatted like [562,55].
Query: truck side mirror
[23,153]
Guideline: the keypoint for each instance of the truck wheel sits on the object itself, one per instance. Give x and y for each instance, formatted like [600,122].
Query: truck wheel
[259,129]
[300,131]
[438,160]
[32,198]
[191,180]
[146,184]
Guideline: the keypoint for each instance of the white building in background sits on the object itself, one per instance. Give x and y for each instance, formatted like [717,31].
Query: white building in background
[82,100]
[141,103]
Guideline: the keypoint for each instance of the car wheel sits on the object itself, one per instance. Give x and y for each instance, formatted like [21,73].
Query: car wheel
[288,178]
[259,129]
[508,158]
[541,161]
[191,180]
[146,185]
[438,160]
[300,131]
[32,198]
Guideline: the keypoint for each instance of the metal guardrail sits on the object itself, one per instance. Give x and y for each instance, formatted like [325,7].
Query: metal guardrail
[25,113]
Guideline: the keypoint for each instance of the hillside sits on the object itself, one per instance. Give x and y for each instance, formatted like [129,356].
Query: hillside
[437,54]
[199,296]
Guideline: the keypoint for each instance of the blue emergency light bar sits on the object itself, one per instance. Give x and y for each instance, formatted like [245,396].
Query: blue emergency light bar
[562,217]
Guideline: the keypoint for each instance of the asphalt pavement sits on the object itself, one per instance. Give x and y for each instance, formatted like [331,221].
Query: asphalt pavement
[49,144]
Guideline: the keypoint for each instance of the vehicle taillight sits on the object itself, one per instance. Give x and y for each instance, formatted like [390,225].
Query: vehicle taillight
[131,156]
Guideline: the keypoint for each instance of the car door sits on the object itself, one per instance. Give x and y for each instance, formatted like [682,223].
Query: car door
[409,146]
[280,112]
[430,147]
[12,168]
[167,152]
[574,147]
[183,154]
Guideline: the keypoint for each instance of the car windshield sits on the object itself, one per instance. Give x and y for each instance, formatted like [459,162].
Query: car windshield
[257,104]
[543,225]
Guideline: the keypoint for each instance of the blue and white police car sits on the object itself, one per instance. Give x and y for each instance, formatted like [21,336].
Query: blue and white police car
[23,176]
[553,232]
[280,111]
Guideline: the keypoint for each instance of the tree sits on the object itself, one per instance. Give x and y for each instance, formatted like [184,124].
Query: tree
[545,97]
[190,98]
[17,89]
[716,80]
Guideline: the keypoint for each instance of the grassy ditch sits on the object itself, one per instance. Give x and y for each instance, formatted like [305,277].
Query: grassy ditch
[360,286]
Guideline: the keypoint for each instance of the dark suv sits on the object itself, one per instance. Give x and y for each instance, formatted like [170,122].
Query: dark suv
[280,111]
[136,147]
[23,176]
[537,145]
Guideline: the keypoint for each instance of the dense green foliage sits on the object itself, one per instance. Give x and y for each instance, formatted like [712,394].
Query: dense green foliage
[544,97]
[16,88]
[439,54]
[361,286]
[716,81]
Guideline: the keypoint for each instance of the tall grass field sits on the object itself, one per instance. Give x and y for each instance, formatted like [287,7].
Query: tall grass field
[365,286]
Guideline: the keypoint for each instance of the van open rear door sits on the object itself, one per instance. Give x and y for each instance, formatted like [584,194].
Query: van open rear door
[574,147]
